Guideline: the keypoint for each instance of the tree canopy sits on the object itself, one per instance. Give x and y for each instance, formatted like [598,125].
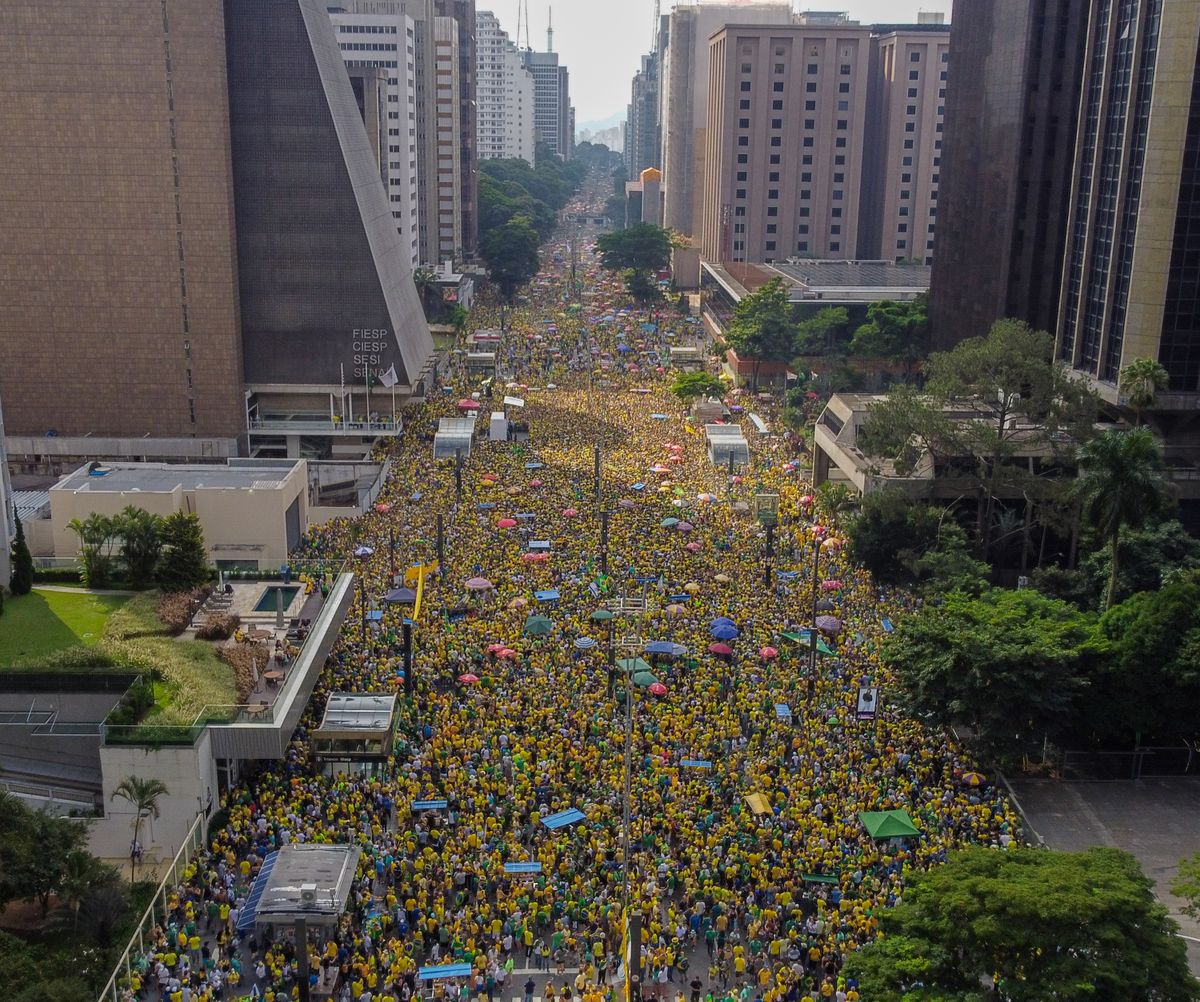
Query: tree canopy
[986,404]
[689,385]
[642,248]
[894,332]
[511,254]
[1073,927]
[762,328]
[184,560]
[1009,664]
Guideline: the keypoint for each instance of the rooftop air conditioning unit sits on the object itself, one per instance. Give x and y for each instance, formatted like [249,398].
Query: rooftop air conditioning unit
[308,894]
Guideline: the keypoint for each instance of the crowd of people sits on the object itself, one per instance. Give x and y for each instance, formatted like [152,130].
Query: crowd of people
[513,721]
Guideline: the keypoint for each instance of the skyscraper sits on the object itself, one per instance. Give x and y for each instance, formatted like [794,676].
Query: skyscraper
[1131,269]
[385,44]
[642,145]
[1012,100]
[785,143]
[552,113]
[223,251]
[902,165]
[683,99]
[463,13]
[504,93]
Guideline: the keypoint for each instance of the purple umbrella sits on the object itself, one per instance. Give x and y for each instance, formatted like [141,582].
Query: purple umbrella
[829,624]
[479,584]
[685,527]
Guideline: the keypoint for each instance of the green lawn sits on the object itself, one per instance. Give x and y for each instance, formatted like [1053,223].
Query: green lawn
[41,622]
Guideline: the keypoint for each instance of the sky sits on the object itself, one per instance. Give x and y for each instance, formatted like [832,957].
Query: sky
[602,41]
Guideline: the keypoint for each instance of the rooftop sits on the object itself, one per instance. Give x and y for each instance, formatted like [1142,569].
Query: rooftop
[818,276]
[162,478]
[308,881]
[358,711]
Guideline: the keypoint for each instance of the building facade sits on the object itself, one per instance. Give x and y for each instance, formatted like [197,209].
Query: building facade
[384,46]
[784,153]
[119,312]
[504,94]
[684,94]
[1012,103]
[463,14]
[8,525]
[446,183]
[1131,269]
[642,144]
[905,125]
[553,119]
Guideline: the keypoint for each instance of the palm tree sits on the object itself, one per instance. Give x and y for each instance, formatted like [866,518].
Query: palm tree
[1140,381]
[143,795]
[82,874]
[1121,485]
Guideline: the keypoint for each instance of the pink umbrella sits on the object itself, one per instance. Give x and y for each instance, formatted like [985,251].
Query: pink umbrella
[507,653]
[675,448]
[383,508]
[684,527]
[692,547]
[675,459]
[658,689]
[535,558]
[569,513]
[721,649]
[468,678]
[674,610]
[768,653]
[831,585]
[468,405]
[495,648]
[506,523]
[535,482]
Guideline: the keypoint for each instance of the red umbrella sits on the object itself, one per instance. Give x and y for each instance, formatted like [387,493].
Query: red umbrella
[535,558]
[831,585]
[468,679]
[495,648]
[569,513]
[468,405]
[383,508]
[507,653]
[658,689]
[506,523]
[692,547]
[722,649]
[768,653]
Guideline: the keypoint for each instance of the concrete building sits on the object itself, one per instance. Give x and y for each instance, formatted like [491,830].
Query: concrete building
[252,516]
[380,49]
[1012,102]
[784,155]
[1131,269]
[552,112]
[504,94]
[905,122]
[446,182]
[683,98]
[463,13]
[643,198]
[642,140]
[227,232]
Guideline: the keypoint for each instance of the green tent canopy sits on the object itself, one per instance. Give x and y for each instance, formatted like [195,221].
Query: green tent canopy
[802,638]
[888,824]
[632,664]
[601,615]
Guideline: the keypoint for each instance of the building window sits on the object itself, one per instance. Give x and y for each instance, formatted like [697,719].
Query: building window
[744,104]
[914,74]
[842,124]
[810,105]
[843,106]
[810,123]
[836,212]
[773,176]
[904,210]
[802,245]
[770,246]
[844,69]
[743,140]
[745,85]
[803,229]
[740,193]
[741,175]
[902,228]
[805,194]
[836,228]
[840,143]
[746,67]
[772,193]
[911,109]
[839,178]
[914,57]
[776,123]
[777,106]
[806,177]
[905,178]
[810,88]
[807,159]
[743,158]
[773,159]
[901,244]
[843,88]
[835,246]
[779,67]
[912,91]
[839,160]
[910,127]
[771,227]
[812,69]
[776,140]
[743,123]
[908,144]
[906,162]
[772,210]
[804,213]
[837,194]
[777,86]
[808,142]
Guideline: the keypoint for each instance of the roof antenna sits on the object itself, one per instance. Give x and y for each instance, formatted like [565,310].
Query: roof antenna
[549,29]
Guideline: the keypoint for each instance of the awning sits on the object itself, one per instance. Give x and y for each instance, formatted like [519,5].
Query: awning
[249,911]
[563,818]
[888,824]
[444,971]
[522,867]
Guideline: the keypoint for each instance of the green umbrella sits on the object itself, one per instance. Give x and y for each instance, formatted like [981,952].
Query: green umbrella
[667,523]
[601,615]
[538,626]
[644,678]
[632,664]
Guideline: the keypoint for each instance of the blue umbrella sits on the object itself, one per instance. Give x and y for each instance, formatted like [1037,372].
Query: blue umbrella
[363,551]
[724,632]
[584,643]
[723,621]
[660,647]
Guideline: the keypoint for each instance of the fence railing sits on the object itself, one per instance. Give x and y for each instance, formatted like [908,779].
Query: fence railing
[156,911]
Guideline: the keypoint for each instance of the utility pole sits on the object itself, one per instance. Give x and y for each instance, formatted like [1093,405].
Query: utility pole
[458,465]
[409,682]
[596,460]
[770,553]
[441,547]
[604,541]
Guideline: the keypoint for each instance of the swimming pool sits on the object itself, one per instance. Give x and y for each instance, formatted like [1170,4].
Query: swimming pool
[267,602]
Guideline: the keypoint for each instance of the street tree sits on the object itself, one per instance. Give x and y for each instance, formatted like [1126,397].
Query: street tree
[1009,665]
[1027,925]
[183,563]
[642,248]
[821,333]
[1139,382]
[1186,885]
[762,328]
[143,796]
[50,841]
[987,403]
[1121,486]
[689,385]
[894,332]
[511,254]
